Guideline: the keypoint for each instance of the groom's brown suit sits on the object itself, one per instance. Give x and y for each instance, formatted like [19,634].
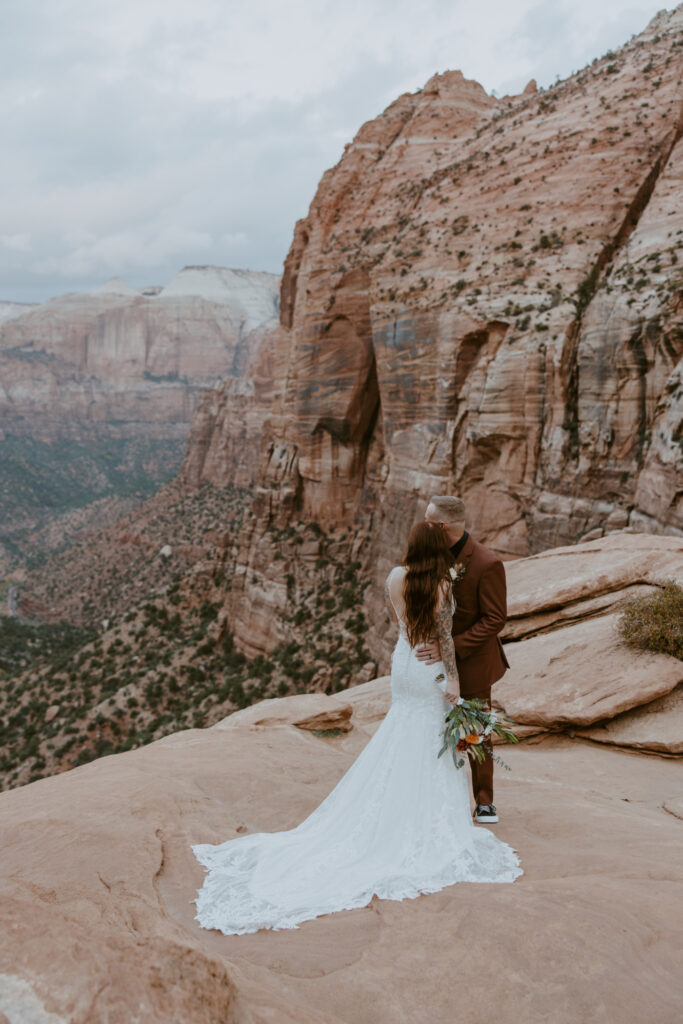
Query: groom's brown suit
[480,614]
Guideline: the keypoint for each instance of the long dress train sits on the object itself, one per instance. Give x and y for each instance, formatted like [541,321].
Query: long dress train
[397,824]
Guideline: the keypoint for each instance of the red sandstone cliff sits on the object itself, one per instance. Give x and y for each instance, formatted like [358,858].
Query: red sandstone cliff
[486,297]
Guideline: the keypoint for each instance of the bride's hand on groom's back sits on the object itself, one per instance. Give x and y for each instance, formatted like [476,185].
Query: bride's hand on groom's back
[429,653]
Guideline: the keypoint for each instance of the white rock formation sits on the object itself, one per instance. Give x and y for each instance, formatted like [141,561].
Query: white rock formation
[114,286]
[9,310]
[252,296]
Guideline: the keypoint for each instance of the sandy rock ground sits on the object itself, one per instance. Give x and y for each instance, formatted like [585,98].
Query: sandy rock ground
[97,878]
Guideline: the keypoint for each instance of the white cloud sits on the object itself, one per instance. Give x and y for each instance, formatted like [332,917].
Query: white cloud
[232,238]
[20,242]
[138,137]
[138,248]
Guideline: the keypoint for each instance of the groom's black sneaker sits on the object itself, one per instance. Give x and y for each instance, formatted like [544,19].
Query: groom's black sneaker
[485,813]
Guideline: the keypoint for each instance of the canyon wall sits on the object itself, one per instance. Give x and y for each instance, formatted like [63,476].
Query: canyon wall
[225,439]
[98,390]
[485,298]
[119,362]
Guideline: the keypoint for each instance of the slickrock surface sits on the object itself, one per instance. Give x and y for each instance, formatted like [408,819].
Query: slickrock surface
[485,298]
[657,726]
[568,576]
[97,878]
[581,674]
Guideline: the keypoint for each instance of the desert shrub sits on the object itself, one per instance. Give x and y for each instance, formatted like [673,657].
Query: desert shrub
[655,623]
[233,690]
[208,611]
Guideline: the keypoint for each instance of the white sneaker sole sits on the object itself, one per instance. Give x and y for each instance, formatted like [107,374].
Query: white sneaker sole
[484,818]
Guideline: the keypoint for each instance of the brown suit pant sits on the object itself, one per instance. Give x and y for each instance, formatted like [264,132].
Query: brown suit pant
[482,771]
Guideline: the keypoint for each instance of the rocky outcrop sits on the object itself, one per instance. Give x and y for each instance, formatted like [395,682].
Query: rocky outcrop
[98,877]
[556,586]
[581,674]
[314,712]
[656,727]
[486,298]
[569,666]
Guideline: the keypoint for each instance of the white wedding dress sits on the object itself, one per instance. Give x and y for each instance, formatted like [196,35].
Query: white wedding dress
[397,824]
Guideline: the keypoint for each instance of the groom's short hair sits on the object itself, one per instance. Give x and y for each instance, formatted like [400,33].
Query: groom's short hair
[450,508]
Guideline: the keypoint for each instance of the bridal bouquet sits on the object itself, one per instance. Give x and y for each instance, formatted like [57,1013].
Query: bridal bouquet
[467,726]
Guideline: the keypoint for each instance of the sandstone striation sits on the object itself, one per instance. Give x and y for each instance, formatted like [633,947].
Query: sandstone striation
[486,298]
[226,435]
[656,726]
[589,577]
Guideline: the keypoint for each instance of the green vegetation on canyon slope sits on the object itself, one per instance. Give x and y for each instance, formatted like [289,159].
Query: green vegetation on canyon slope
[169,663]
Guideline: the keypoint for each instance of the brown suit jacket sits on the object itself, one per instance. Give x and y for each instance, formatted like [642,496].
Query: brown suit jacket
[480,614]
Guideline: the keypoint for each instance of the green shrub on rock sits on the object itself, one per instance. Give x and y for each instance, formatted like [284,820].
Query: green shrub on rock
[655,623]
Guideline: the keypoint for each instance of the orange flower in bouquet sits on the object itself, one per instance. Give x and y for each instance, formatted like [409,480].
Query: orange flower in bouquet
[468,727]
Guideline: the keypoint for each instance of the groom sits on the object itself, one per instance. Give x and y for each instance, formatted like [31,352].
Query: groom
[481,611]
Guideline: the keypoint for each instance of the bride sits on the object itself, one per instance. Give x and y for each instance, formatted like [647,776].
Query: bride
[398,823]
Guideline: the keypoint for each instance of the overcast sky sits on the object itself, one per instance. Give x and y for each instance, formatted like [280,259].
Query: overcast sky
[144,135]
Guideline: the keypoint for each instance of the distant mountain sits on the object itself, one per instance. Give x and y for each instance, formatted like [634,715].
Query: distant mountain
[9,310]
[98,389]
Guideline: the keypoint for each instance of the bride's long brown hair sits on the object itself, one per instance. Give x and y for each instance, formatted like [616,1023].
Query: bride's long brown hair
[427,560]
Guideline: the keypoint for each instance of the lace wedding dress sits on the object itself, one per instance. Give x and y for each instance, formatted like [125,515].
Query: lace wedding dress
[397,824]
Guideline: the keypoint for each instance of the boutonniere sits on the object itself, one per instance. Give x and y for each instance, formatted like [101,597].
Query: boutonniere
[457,572]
